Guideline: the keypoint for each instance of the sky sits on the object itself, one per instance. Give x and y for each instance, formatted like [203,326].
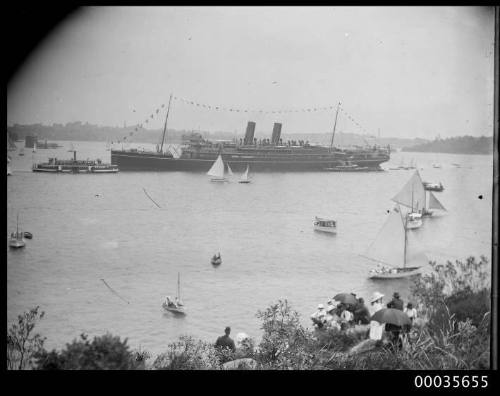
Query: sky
[399,71]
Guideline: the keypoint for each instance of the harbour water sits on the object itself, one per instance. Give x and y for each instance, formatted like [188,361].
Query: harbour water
[91,227]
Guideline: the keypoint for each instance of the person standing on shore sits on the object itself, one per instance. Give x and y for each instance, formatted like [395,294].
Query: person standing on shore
[376,328]
[396,302]
[225,341]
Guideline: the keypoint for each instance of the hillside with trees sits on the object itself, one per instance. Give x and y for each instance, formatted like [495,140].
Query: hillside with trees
[456,145]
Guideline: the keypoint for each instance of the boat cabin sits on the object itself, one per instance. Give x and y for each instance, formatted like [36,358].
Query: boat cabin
[325,223]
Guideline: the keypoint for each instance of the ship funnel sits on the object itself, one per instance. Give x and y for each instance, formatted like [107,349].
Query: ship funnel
[275,138]
[249,133]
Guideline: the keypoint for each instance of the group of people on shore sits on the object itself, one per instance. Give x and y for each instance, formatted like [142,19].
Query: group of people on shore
[343,316]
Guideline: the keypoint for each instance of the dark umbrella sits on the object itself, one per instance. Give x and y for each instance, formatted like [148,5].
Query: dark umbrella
[392,316]
[346,298]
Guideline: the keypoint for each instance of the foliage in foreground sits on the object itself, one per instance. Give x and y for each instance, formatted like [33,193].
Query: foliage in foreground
[22,343]
[454,298]
[106,352]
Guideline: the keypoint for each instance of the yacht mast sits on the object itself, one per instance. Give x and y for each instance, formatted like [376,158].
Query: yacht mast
[406,242]
[334,126]
[179,285]
[165,127]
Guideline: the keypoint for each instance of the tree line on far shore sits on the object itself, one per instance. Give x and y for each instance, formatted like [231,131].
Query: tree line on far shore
[456,145]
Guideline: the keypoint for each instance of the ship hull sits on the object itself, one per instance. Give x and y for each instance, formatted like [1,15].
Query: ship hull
[134,161]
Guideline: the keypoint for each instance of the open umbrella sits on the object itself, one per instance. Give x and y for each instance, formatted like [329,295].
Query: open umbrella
[392,316]
[346,298]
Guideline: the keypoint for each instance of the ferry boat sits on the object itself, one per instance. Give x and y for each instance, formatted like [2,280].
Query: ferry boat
[273,154]
[75,166]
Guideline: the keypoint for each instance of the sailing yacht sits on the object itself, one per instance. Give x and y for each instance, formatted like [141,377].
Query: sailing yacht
[229,170]
[245,178]
[34,147]
[217,171]
[394,246]
[9,171]
[432,203]
[17,239]
[412,196]
[176,306]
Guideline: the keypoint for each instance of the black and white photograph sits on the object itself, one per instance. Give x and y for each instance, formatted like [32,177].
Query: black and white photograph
[255,188]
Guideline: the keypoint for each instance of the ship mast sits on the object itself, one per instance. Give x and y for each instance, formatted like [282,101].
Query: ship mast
[165,127]
[406,241]
[334,126]
[404,220]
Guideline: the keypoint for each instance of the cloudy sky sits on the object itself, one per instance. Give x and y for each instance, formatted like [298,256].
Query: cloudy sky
[406,71]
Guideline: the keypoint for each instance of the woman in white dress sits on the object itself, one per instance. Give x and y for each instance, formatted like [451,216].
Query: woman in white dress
[376,328]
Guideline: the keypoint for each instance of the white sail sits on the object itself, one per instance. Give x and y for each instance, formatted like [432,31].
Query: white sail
[34,147]
[244,177]
[415,255]
[413,193]
[229,171]
[434,202]
[217,169]
[388,246]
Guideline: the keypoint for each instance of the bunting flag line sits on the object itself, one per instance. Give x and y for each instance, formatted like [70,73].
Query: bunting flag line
[239,110]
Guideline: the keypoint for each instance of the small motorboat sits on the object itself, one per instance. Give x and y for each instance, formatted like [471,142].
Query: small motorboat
[433,186]
[28,235]
[325,225]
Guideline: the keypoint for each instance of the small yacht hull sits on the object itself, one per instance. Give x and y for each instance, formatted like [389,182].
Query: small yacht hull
[413,224]
[244,181]
[16,243]
[178,310]
[397,273]
[219,180]
[331,230]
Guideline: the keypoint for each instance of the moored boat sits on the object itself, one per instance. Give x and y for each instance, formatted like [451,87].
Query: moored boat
[16,239]
[176,307]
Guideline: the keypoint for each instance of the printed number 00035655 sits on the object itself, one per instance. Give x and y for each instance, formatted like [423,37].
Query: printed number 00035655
[454,381]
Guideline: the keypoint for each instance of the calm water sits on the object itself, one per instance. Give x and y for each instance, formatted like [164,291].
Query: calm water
[263,231]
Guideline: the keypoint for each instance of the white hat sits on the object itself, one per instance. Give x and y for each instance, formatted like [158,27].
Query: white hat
[320,306]
[376,296]
[240,337]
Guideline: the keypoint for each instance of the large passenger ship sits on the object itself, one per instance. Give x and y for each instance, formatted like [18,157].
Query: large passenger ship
[274,154]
